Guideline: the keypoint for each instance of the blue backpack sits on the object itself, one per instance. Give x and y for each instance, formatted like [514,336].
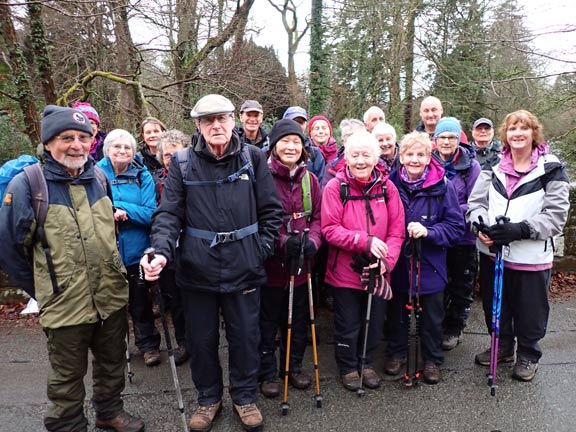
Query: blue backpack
[9,170]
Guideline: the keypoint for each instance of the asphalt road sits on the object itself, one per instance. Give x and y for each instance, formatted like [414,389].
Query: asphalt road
[461,402]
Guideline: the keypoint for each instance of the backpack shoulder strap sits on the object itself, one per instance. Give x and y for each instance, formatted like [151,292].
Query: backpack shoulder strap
[183,161]
[38,192]
[344,192]
[39,197]
[307,193]
[246,157]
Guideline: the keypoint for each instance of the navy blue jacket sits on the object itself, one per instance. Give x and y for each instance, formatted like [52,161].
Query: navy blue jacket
[435,206]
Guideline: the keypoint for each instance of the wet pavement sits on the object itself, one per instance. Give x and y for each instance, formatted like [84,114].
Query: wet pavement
[461,402]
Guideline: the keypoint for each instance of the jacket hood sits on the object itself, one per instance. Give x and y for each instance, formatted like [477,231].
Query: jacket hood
[54,171]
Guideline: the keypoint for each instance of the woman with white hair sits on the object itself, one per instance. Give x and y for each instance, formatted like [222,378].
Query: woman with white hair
[363,223]
[386,136]
[134,198]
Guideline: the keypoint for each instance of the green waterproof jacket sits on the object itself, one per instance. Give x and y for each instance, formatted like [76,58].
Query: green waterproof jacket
[91,279]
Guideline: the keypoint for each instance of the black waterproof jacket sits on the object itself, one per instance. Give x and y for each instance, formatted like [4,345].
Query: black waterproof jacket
[225,267]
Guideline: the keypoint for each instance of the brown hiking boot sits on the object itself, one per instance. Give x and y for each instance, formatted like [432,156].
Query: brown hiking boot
[504,356]
[351,381]
[180,355]
[270,389]
[393,366]
[299,380]
[123,422]
[203,418]
[370,378]
[152,358]
[250,417]
[524,369]
[431,373]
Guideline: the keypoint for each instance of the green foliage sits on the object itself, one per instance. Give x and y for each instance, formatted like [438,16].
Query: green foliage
[12,142]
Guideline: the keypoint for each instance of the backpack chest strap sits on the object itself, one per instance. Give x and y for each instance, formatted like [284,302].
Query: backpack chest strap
[223,237]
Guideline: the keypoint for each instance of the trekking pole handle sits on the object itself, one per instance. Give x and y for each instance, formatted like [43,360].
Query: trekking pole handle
[150,253]
[294,262]
[502,219]
[303,241]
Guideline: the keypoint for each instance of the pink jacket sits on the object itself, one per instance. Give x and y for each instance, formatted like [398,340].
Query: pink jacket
[348,229]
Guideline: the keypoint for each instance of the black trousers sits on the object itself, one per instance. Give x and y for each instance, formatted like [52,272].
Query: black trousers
[349,327]
[274,316]
[173,301]
[525,307]
[431,318]
[241,312]
[146,335]
[462,265]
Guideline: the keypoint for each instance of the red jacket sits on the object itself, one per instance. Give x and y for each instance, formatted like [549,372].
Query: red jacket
[290,191]
[347,228]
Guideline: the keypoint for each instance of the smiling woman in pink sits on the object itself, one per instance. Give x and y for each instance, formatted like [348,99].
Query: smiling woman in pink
[363,222]
[529,187]
[320,133]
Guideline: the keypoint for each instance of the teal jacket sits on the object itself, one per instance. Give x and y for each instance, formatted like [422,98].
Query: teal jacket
[134,192]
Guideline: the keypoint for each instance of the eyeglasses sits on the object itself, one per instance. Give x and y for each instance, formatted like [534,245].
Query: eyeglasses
[118,147]
[449,138]
[69,139]
[220,118]
[168,156]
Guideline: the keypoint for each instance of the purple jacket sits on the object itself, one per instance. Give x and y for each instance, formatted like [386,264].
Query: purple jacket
[290,191]
[348,229]
[435,206]
[467,169]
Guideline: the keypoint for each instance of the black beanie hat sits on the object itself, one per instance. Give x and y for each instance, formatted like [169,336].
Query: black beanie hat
[56,119]
[282,128]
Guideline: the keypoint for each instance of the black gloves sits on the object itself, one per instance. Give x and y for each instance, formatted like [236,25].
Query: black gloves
[309,249]
[360,261]
[293,247]
[505,233]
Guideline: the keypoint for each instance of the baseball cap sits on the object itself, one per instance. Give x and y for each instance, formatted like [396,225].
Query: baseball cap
[295,112]
[251,105]
[482,121]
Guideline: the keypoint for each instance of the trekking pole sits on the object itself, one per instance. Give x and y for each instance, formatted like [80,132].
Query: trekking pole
[293,271]
[318,396]
[496,312]
[371,284]
[410,379]
[128,359]
[160,301]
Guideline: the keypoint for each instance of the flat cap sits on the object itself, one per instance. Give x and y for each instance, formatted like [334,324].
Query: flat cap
[211,104]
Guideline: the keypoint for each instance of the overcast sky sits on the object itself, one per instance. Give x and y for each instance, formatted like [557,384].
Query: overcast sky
[542,16]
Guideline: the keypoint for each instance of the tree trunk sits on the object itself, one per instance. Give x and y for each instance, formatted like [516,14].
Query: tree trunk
[40,48]
[318,70]
[20,73]
[409,65]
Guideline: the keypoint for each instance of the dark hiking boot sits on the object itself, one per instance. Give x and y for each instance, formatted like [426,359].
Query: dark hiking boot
[250,417]
[181,356]
[270,389]
[203,418]
[393,366]
[123,422]
[431,373]
[152,358]
[450,341]
[524,369]
[351,381]
[504,356]
[370,378]
[299,380]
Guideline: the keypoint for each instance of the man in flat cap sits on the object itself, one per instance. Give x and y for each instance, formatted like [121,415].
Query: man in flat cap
[72,266]
[251,117]
[220,204]
[486,147]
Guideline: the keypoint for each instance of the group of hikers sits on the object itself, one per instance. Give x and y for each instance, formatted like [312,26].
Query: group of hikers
[234,222]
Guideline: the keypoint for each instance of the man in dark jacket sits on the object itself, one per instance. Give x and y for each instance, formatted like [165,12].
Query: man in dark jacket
[251,117]
[220,204]
[83,301]
[487,148]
